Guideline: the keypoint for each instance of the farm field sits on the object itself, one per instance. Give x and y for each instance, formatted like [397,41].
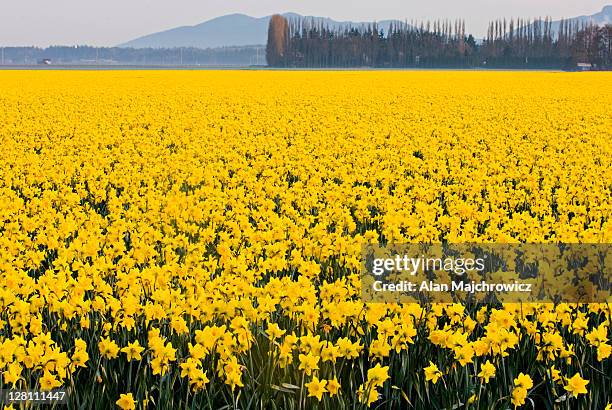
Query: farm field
[192,239]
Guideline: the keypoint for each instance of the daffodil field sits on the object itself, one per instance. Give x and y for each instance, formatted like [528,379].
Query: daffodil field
[192,239]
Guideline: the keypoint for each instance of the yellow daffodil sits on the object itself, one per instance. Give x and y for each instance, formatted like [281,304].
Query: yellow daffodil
[126,402]
[432,373]
[316,388]
[576,385]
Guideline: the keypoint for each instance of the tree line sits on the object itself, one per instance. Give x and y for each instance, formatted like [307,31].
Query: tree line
[243,56]
[522,43]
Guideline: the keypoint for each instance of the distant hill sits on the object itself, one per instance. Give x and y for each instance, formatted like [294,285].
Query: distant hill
[229,30]
[242,30]
[601,18]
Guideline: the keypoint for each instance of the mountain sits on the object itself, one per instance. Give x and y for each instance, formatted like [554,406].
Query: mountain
[601,18]
[243,30]
[229,30]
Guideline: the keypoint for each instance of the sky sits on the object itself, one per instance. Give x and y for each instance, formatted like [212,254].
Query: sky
[111,22]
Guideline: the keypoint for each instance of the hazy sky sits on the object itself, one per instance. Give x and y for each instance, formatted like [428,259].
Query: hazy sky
[109,22]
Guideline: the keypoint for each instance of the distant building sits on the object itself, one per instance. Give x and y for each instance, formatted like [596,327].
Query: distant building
[44,61]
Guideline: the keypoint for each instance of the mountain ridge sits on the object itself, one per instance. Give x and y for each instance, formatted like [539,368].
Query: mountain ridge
[221,32]
[239,29]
